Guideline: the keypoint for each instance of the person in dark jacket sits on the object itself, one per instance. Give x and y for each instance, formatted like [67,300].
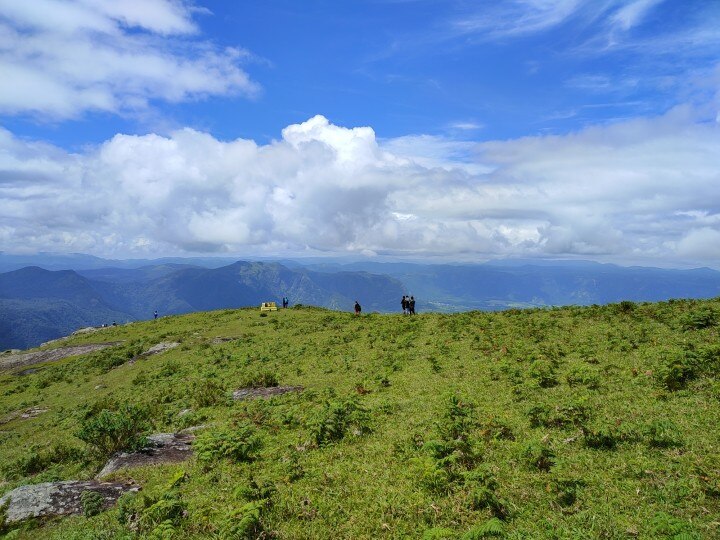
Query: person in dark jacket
[411,305]
[358,309]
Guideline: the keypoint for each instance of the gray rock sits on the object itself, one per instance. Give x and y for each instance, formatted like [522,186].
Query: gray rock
[162,448]
[58,498]
[49,355]
[254,393]
[161,347]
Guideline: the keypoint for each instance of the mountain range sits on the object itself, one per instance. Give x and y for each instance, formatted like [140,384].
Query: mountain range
[38,304]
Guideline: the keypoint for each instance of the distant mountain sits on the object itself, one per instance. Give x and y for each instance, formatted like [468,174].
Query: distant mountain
[493,285]
[37,305]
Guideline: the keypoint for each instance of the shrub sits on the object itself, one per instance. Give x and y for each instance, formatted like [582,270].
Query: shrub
[566,490]
[625,307]
[109,431]
[165,510]
[483,497]
[675,373]
[582,375]
[602,437]
[35,461]
[672,527]
[545,373]
[92,503]
[244,523]
[260,379]
[538,455]
[663,434]
[336,419]
[492,527]
[206,392]
[702,317]
[432,475]
[239,444]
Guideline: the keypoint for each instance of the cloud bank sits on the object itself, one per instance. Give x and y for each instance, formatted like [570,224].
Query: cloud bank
[638,190]
[66,57]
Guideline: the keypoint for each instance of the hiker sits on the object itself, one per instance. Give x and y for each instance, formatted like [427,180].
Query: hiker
[411,305]
[404,304]
[358,309]
[155,313]
[286,302]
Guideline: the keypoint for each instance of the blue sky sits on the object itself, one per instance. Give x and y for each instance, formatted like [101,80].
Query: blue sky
[453,130]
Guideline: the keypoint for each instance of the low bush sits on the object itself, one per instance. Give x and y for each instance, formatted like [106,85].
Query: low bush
[92,503]
[675,372]
[244,523]
[491,528]
[538,455]
[601,437]
[338,418]
[566,490]
[207,392]
[702,317]
[259,379]
[238,444]
[109,431]
[37,460]
[663,434]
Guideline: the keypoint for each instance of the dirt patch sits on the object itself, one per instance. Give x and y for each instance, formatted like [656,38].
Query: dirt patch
[11,361]
[162,448]
[255,393]
[58,498]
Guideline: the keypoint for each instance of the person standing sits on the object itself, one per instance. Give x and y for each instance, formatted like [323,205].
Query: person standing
[358,309]
[404,304]
[411,305]
[155,314]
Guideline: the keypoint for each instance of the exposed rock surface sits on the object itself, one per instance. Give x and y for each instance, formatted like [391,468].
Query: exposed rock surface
[58,498]
[162,448]
[32,412]
[9,361]
[86,330]
[161,347]
[254,393]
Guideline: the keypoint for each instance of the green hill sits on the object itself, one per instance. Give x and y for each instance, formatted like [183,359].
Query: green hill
[577,422]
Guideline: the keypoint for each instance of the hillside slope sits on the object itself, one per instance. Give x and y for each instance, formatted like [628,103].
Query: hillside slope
[578,422]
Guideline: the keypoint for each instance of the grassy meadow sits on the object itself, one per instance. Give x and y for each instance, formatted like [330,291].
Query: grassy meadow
[565,423]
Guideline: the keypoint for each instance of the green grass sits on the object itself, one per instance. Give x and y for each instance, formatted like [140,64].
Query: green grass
[594,422]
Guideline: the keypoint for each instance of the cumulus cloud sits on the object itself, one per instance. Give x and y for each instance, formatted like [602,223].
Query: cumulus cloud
[637,190]
[66,57]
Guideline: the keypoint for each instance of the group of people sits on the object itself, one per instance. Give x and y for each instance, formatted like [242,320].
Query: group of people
[408,305]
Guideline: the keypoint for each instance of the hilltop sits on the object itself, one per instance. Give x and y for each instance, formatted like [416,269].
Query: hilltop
[575,422]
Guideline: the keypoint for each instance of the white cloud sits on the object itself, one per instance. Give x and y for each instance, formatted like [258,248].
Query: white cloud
[68,57]
[633,13]
[518,17]
[642,189]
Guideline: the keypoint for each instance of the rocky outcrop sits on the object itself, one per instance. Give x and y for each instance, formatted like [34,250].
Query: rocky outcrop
[58,498]
[161,347]
[23,414]
[9,361]
[161,448]
[254,393]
